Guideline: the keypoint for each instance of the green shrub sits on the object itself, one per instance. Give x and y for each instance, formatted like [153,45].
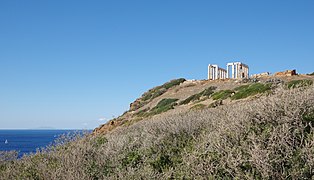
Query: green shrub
[165,102]
[168,154]
[3,167]
[192,98]
[153,93]
[132,159]
[221,95]
[163,106]
[299,83]
[142,113]
[31,172]
[205,93]
[96,170]
[99,141]
[243,87]
[159,90]
[156,92]
[162,162]
[312,74]
[93,170]
[308,121]
[198,106]
[250,90]
[208,91]
[173,83]
[309,117]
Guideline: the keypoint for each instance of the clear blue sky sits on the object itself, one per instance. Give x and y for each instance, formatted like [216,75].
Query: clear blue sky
[66,64]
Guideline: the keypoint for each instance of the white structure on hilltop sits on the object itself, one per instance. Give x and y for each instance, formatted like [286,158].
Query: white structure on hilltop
[238,70]
[235,70]
[215,72]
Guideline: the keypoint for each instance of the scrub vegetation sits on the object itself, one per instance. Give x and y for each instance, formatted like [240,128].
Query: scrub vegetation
[250,90]
[223,94]
[196,97]
[299,83]
[271,137]
[159,90]
[156,92]
[198,107]
[163,106]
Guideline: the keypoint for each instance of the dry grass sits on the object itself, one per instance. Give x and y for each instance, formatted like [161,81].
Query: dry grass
[266,138]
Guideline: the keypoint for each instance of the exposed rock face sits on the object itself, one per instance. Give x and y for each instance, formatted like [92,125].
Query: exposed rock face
[136,105]
[215,104]
[106,127]
[287,73]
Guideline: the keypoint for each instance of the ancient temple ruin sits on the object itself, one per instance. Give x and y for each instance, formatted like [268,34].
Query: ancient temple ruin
[238,70]
[215,72]
[235,70]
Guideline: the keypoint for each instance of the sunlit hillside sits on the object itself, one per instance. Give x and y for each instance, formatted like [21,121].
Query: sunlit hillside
[252,129]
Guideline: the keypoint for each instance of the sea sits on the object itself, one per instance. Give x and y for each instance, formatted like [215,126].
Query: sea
[28,141]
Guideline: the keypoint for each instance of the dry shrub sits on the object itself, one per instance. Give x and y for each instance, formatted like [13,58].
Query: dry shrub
[266,138]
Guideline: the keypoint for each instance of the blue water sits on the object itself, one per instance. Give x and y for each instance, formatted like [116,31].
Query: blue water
[27,141]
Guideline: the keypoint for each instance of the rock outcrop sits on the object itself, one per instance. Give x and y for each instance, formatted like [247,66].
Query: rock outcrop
[287,73]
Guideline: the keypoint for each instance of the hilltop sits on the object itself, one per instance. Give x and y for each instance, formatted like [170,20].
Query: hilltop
[184,95]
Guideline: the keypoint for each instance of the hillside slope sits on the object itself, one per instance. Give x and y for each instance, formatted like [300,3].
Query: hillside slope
[254,130]
[181,94]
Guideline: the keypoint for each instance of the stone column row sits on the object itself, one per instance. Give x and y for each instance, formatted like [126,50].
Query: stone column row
[222,73]
[214,72]
[238,70]
[211,72]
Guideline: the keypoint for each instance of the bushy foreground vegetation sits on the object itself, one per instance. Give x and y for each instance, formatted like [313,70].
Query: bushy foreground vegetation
[267,138]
